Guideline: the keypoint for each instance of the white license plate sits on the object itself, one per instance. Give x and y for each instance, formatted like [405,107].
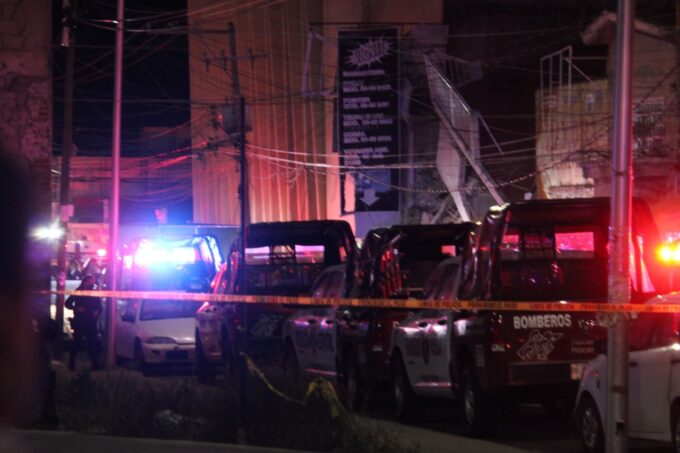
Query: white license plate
[577,371]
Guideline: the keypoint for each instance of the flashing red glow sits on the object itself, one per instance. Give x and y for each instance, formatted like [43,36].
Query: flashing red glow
[669,253]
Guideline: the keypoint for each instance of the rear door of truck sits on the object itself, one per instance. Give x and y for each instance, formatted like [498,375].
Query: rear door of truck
[565,263]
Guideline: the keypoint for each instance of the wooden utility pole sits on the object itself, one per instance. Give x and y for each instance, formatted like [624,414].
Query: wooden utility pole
[616,427]
[68,40]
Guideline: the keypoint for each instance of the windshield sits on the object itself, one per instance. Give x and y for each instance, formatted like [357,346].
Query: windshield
[168,309]
[283,269]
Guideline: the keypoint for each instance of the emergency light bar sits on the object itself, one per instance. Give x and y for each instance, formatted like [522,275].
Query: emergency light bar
[154,254]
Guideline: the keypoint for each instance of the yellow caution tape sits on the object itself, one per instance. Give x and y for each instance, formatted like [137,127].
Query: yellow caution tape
[322,387]
[542,306]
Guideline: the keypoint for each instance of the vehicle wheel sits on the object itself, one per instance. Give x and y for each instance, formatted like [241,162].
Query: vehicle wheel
[205,372]
[590,426]
[138,361]
[558,407]
[675,428]
[354,387]
[405,401]
[478,412]
[291,366]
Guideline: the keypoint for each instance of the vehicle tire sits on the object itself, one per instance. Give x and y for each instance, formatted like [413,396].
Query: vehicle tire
[675,428]
[590,427]
[478,412]
[559,407]
[291,366]
[138,362]
[405,401]
[354,390]
[205,372]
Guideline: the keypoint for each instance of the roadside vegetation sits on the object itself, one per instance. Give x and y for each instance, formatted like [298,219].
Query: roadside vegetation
[280,413]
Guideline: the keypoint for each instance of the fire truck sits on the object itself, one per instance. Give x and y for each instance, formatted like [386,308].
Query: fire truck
[541,250]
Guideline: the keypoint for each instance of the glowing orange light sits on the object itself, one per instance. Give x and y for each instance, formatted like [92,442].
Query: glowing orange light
[669,254]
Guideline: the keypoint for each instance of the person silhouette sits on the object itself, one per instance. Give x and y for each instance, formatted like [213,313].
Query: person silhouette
[86,311]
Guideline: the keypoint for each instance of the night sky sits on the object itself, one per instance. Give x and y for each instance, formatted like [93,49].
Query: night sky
[155,74]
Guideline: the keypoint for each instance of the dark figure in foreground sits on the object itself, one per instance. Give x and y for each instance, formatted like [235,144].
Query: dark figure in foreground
[86,311]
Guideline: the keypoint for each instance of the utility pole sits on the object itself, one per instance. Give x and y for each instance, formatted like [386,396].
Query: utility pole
[616,428]
[243,195]
[68,40]
[115,189]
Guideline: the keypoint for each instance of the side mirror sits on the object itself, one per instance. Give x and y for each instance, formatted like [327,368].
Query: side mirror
[345,315]
[348,318]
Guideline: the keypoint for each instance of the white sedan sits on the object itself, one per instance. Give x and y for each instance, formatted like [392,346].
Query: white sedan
[653,383]
[156,332]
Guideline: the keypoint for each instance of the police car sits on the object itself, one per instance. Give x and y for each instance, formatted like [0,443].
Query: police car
[161,332]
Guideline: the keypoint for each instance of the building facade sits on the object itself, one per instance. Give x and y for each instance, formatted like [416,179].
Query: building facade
[26,91]
[575,124]
[287,72]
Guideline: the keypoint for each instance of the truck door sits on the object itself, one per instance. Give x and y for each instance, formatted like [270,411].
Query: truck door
[439,327]
[649,368]
[304,325]
[413,327]
[326,333]
[436,344]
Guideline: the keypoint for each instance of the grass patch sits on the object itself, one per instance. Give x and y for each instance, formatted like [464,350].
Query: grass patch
[124,403]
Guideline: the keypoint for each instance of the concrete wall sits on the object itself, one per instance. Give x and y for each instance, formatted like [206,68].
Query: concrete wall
[26,89]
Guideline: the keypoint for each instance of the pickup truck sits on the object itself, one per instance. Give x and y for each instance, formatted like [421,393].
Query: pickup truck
[540,250]
[281,258]
[394,263]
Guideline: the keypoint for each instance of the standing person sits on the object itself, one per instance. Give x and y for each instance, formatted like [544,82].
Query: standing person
[86,311]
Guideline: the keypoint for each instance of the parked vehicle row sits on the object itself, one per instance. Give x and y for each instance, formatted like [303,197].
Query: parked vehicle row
[547,250]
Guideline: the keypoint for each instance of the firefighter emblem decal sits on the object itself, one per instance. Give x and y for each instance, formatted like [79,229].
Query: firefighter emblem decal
[539,345]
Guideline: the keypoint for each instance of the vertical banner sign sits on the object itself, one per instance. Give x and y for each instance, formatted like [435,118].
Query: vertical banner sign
[368,118]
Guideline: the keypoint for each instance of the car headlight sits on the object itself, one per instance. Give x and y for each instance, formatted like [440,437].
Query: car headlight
[161,340]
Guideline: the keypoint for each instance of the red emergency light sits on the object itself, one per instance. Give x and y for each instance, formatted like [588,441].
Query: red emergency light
[669,253]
